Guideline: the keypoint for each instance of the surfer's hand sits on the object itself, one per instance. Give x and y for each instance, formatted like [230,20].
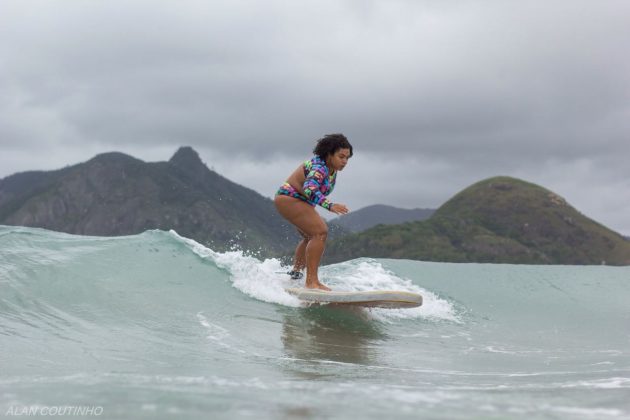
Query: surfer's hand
[339,209]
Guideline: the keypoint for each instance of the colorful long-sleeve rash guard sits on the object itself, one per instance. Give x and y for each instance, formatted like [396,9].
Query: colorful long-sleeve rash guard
[317,185]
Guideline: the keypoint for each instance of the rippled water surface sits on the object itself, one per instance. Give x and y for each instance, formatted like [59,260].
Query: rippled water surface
[157,326]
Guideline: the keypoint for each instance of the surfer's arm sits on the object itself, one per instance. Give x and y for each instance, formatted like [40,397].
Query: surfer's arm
[312,187]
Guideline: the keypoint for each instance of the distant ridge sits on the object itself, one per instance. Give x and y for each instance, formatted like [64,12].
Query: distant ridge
[376,214]
[116,194]
[500,220]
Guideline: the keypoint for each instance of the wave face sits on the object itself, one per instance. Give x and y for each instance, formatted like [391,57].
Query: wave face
[158,326]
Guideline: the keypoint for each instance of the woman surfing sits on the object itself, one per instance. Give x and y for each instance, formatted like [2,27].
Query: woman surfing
[308,186]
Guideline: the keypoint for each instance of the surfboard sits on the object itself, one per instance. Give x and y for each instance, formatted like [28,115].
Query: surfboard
[372,299]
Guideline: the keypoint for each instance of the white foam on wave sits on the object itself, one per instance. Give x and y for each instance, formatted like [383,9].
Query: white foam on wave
[606,383]
[258,279]
[368,274]
[584,412]
[261,280]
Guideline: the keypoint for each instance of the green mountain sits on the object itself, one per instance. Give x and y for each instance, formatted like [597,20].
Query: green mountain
[378,214]
[116,194]
[499,220]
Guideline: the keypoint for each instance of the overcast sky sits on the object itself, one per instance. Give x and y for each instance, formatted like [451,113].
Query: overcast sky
[434,95]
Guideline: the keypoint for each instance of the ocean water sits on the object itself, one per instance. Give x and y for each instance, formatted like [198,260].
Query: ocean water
[156,326]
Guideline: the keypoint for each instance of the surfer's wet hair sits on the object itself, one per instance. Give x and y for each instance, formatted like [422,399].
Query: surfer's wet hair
[330,143]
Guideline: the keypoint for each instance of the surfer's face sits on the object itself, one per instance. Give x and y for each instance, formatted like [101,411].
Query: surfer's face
[338,160]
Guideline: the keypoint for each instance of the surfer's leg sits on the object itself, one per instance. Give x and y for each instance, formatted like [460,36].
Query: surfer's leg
[306,219]
[299,259]
[314,252]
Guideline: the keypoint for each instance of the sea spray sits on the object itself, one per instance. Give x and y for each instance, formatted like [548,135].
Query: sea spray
[261,280]
[258,279]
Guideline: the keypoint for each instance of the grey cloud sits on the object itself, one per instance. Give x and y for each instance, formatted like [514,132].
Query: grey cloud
[481,87]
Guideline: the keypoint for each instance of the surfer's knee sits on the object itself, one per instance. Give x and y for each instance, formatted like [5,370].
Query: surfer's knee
[321,233]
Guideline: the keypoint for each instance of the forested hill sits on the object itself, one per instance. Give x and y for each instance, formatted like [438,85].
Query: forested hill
[500,220]
[377,214]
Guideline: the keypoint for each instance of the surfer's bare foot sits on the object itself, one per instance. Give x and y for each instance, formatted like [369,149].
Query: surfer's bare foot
[317,285]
